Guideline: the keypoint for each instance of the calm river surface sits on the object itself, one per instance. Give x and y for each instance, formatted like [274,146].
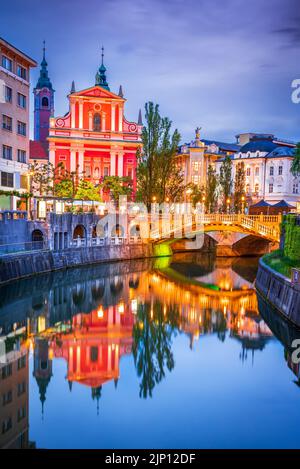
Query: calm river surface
[169,353]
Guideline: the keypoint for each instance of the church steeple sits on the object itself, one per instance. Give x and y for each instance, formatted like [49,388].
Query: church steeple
[44,80]
[101,74]
[43,103]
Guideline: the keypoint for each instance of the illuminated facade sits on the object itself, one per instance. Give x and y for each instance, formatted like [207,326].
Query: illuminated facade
[195,157]
[95,344]
[94,138]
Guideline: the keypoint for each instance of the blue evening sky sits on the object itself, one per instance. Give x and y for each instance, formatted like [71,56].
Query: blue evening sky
[224,65]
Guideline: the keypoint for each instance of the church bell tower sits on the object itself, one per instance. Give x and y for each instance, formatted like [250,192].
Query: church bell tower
[43,103]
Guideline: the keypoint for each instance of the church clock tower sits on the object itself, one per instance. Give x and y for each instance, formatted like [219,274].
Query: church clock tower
[43,104]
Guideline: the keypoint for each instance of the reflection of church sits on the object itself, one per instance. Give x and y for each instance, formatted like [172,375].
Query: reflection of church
[94,345]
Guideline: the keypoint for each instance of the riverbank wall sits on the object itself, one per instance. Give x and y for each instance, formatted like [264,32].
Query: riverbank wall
[22,265]
[279,292]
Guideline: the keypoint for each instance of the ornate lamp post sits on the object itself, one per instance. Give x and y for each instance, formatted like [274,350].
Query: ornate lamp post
[228,204]
[243,204]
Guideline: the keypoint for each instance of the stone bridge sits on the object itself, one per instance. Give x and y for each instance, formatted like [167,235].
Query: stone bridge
[231,234]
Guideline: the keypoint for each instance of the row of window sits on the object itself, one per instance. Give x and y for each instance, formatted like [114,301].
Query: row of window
[7,423]
[8,65]
[7,154]
[271,171]
[7,124]
[7,370]
[21,98]
[7,397]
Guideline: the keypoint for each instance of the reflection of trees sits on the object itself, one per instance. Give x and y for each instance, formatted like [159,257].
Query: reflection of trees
[152,341]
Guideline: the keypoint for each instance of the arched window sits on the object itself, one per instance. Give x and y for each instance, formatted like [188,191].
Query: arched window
[45,101]
[97,122]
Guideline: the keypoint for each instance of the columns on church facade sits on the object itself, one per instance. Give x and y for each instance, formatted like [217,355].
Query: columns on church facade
[113,163]
[72,160]
[120,118]
[80,161]
[73,114]
[120,164]
[81,114]
[113,118]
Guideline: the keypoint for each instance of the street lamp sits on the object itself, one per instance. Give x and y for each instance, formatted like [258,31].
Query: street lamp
[228,204]
[154,199]
[243,204]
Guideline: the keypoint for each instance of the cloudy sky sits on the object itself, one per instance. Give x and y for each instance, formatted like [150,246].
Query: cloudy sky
[225,65]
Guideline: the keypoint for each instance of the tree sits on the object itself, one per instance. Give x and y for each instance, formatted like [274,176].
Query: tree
[41,177]
[117,186]
[211,190]
[65,181]
[195,193]
[226,180]
[87,191]
[157,171]
[64,188]
[239,186]
[295,168]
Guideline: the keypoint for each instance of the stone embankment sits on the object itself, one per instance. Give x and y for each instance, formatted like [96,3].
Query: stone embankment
[21,265]
[279,291]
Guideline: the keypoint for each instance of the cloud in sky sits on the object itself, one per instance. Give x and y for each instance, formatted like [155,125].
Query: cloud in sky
[227,66]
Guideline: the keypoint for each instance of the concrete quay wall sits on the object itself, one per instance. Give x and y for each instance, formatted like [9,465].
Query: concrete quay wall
[21,265]
[279,292]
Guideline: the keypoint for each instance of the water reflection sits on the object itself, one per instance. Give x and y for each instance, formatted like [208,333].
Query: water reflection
[90,318]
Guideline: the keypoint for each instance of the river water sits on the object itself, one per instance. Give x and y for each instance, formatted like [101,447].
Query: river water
[168,353]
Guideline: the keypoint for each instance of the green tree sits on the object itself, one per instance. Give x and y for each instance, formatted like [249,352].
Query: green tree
[225,180]
[87,191]
[64,188]
[41,177]
[239,186]
[295,168]
[157,170]
[117,186]
[195,193]
[211,190]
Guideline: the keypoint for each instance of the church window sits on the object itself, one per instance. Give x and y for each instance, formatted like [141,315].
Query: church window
[45,101]
[271,170]
[96,172]
[94,354]
[248,171]
[106,171]
[257,171]
[271,188]
[256,189]
[87,171]
[97,122]
[280,169]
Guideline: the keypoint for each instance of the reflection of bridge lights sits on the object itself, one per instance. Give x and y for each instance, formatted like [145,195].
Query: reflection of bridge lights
[165,310]
[100,312]
[121,308]
[141,325]
[50,353]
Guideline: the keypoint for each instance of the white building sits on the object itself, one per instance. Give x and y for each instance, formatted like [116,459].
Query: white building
[268,170]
